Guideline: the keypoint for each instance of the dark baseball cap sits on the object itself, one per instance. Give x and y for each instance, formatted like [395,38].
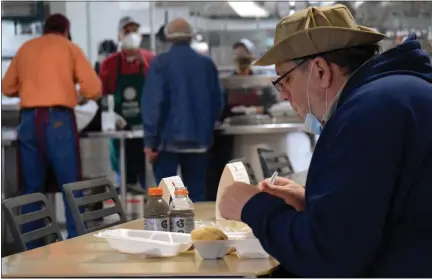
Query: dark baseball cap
[126,21]
[57,23]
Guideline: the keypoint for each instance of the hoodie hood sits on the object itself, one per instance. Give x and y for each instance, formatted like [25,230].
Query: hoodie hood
[407,58]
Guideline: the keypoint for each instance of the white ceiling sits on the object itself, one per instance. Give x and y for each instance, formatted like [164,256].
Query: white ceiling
[372,13]
[129,5]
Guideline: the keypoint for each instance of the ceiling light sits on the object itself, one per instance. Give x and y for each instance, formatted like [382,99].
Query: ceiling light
[327,3]
[248,9]
[132,5]
[357,4]
[321,3]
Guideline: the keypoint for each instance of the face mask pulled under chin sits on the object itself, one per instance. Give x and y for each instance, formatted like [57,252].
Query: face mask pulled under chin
[312,124]
[131,41]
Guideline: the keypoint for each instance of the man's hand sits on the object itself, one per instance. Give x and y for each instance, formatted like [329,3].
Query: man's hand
[234,199]
[151,155]
[283,188]
[279,181]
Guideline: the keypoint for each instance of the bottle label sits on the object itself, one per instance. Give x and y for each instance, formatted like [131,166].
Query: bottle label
[182,225]
[156,224]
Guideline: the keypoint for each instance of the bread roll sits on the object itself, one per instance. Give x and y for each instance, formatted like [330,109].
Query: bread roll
[208,233]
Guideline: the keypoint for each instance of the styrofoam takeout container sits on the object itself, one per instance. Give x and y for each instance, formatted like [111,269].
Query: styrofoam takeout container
[246,245]
[149,243]
[239,235]
[250,248]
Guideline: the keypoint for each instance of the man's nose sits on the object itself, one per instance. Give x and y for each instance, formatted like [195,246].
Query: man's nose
[285,95]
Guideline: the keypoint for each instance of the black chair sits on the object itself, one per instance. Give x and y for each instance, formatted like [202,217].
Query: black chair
[85,220]
[50,233]
[251,173]
[133,189]
[272,161]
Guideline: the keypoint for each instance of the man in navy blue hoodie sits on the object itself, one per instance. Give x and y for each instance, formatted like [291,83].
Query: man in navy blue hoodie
[366,210]
[181,102]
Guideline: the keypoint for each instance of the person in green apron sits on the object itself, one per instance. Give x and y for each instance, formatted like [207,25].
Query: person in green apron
[123,75]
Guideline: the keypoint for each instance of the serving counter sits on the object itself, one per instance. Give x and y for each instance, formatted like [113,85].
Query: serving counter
[9,136]
[88,256]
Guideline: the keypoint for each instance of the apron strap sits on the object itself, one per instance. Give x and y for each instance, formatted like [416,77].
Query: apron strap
[142,64]
[119,64]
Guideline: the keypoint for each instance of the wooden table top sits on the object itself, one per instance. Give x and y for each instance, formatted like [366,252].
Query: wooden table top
[88,256]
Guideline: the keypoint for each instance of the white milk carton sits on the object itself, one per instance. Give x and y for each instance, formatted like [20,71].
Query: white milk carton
[169,184]
[233,172]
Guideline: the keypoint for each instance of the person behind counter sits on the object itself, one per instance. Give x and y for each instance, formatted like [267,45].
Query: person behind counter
[181,101]
[105,49]
[124,74]
[255,102]
[251,101]
[43,75]
[366,209]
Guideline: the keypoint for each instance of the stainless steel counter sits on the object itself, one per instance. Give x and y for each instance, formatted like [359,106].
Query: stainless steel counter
[224,129]
[10,135]
[262,129]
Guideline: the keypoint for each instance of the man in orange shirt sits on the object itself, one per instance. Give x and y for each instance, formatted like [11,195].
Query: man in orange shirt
[43,74]
[123,74]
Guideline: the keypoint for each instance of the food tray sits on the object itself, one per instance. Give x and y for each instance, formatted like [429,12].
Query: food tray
[149,243]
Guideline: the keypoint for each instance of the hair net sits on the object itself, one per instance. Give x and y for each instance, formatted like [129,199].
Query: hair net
[107,46]
[247,44]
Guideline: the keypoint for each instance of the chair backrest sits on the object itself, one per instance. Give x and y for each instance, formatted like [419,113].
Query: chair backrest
[11,208]
[78,201]
[251,173]
[272,161]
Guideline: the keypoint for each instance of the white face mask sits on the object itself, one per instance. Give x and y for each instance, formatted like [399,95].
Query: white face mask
[131,41]
[312,124]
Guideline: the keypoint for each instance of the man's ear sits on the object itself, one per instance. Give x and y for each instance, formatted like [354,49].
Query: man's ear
[324,72]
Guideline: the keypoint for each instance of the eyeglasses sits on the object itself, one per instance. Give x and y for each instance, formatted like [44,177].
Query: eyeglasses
[277,83]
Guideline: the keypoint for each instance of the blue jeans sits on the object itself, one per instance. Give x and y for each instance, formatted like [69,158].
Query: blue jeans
[48,137]
[193,169]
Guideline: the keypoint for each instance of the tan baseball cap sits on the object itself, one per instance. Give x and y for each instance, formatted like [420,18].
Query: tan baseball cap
[317,30]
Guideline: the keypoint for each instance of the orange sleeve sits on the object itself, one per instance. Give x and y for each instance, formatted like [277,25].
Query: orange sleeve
[90,85]
[10,82]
